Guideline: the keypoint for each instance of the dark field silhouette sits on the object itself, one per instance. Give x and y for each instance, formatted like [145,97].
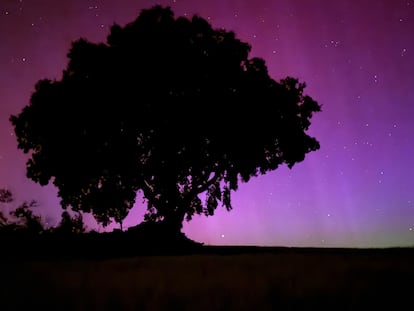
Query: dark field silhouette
[148,267]
[215,278]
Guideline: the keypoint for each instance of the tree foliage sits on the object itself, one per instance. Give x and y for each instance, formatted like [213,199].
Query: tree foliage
[3,220]
[5,195]
[168,106]
[26,219]
[23,219]
[70,224]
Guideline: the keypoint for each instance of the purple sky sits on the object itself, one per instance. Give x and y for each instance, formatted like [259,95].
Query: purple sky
[357,58]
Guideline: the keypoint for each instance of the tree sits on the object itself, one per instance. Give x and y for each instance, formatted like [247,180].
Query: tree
[167,106]
[5,196]
[70,224]
[26,220]
[3,220]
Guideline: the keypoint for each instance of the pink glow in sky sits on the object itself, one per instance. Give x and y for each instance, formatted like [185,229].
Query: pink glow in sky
[357,58]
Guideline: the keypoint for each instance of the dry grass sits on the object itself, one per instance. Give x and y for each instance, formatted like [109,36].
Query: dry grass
[285,280]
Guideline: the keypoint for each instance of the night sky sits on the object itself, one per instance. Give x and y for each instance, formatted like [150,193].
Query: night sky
[357,59]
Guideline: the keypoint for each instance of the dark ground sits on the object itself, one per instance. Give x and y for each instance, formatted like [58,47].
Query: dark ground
[127,272]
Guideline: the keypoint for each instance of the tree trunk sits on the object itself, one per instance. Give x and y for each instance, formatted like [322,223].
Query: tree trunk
[173,221]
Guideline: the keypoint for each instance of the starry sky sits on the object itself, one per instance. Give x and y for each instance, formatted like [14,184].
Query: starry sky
[357,59]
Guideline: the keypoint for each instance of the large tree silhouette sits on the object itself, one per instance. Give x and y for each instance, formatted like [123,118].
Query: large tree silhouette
[168,106]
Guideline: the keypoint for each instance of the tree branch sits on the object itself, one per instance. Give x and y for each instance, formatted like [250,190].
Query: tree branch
[148,191]
[205,186]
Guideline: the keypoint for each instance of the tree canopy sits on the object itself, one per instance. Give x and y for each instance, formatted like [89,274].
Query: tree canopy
[168,106]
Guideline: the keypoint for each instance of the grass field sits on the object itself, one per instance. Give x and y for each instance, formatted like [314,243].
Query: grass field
[264,279]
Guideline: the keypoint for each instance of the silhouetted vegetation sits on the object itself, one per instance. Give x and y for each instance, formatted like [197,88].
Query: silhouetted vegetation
[22,219]
[5,196]
[70,224]
[27,220]
[168,106]
[23,235]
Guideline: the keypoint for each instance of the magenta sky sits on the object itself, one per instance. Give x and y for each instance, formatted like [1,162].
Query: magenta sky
[357,58]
